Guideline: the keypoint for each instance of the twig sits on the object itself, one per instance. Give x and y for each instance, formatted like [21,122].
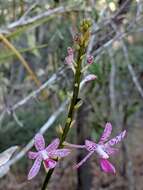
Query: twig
[108,22]
[123,6]
[112,84]
[139,8]
[2,115]
[10,110]
[42,16]
[37,91]
[23,17]
[118,36]
[131,70]
[22,22]
[17,120]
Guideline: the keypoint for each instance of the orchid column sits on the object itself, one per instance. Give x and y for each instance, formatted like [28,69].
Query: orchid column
[81,41]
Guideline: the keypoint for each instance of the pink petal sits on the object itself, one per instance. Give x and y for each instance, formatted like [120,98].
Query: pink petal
[49,163]
[90,145]
[39,142]
[116,140]
[32,155]
[111,151]
[107,167]
[35,168]
[83,160]
[53,146]
[59,153]
[106,133]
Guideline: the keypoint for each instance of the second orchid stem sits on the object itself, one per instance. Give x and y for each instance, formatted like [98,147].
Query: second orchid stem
[74,97]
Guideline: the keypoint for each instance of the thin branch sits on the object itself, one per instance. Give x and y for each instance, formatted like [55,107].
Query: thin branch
[139,8]
[23,22]
[43,16]
[107,23]
[112,82]
[131,70]
[36,92]
[23,17]
[117,37]
[2,115]
[17,120]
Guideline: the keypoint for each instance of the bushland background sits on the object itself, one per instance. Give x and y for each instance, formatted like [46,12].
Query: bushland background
[34,36]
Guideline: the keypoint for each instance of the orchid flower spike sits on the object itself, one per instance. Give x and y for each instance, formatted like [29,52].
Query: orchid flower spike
[45,154]
[103,148]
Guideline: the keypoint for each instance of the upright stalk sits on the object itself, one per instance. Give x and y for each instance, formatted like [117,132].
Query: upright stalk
[76,84]
[75,95]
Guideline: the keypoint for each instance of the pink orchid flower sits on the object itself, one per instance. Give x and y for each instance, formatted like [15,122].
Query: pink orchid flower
[103,149]
[45,154]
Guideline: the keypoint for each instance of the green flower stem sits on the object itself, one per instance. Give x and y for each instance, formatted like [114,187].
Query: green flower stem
[70,116]
[74,97]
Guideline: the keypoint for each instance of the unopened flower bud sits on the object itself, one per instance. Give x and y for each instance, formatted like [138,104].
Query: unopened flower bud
[70,57]
[70,51]
[85,25]
[90,59]
[90,77]
[77,38]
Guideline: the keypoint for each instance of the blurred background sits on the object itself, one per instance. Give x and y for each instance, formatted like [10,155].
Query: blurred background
[34,36]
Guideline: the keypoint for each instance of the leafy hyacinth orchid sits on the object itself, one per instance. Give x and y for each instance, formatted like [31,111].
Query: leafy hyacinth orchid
[103,148]
[46,154]
[89,78]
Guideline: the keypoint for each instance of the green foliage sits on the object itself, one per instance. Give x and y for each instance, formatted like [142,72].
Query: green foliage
[96,132]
